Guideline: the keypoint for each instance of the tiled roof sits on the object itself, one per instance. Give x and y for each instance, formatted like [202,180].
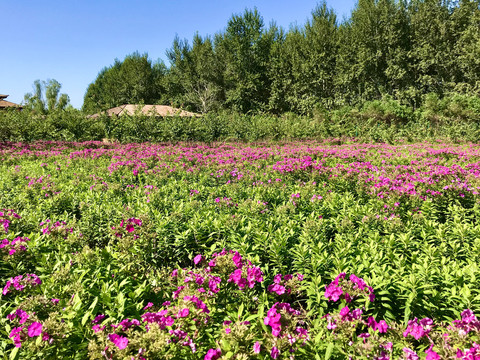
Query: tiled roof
[5,104]
[157,110]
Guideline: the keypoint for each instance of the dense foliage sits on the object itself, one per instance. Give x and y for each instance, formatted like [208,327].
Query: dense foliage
[454,118]
[115,251]
[131,81]
[398,48]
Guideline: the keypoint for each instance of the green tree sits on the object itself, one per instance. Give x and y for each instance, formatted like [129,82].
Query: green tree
[432,56]
[373,51]
[245,48]
[195,76]
[303,65]
[46,97]
[466,27]
[131,81]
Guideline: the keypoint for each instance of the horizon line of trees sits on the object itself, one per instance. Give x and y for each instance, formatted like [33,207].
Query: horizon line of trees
[396,49]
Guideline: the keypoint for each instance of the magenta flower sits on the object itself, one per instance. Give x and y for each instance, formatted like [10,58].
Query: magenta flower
[183,313]
[256,347]
[120,341]
[277,289]
[98,318]
[382,326]
[213,354]
[237,260]
[333,292]
[34,329]
[96,328]
[410,354]
[197,259]
[431,355]
[15,334]
[149,305]
[274,353]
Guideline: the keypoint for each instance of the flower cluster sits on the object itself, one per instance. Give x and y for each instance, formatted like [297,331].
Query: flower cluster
[182,322]
[363,336]
[6,217]
[348,289]
[56,228]
[20,282]
[18,334]
[16,246]
[285,284]
[225,201]
[127,227]
[284,322]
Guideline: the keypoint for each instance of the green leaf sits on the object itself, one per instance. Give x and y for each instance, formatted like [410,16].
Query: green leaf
[329,351]
[240,311]
[85,318]
[14,353]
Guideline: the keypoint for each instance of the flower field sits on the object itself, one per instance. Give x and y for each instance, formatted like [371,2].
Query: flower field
[305,250]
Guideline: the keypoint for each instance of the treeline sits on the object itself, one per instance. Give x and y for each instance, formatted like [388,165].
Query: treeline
[403,50]
[450,118]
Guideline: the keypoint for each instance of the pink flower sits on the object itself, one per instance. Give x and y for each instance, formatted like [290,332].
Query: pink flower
[344,313]
[276,288]
[213,354]
[149,305]
[274,353]
[237,260]
[382,326]
[120,341]
[98,318]
[431,355]
[197,259]
[15,334]
[410,354]
[256,348]
[34,329]
[333,292]
[184,312]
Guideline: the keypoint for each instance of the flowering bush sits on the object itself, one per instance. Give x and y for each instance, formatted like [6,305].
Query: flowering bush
[121,219]
[14,247]
[20,282]
[360,336]
[204,296]
[6,217]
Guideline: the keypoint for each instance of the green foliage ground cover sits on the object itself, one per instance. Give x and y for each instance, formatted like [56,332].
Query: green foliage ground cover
[403,217]
[454,118]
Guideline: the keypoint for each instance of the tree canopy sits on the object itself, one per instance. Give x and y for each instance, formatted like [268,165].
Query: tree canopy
[131,81]
[46,97]
[399,49]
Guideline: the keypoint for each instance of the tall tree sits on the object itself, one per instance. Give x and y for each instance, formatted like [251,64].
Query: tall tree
[131,81]
[245,47]
[304,70]
[46,97]
[466,27]
[195,76]
[373,51]
[432,55]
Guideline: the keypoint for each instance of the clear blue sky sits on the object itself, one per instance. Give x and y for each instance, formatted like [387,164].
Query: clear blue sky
[72,40]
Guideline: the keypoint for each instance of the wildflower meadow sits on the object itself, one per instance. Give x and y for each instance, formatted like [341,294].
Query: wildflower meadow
[275,250]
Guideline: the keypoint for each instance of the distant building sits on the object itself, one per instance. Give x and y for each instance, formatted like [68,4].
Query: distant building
[4,104]
[149,110]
